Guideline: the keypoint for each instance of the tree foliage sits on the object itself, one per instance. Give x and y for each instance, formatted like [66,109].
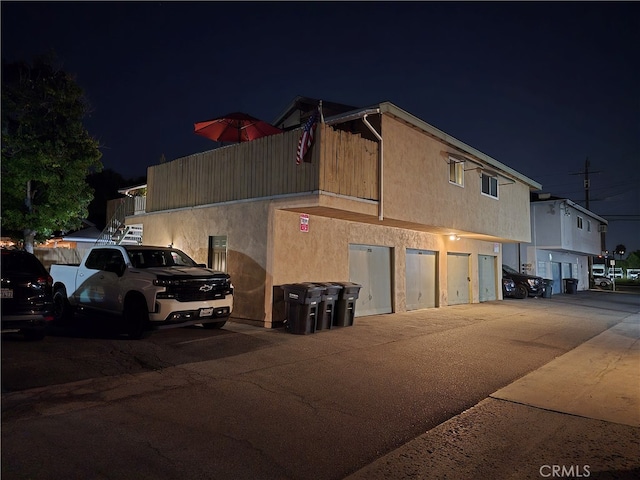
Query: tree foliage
[620,250]
[46,151]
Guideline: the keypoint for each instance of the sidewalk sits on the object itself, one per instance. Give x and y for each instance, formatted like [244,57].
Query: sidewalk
[585,404]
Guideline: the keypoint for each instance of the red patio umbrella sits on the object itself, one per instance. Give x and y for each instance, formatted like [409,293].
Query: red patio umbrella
[235,127]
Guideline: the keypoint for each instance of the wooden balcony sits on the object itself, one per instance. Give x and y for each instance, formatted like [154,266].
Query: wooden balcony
[341,163]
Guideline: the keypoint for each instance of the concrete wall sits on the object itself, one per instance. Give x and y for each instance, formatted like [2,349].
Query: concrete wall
[244,223]
[322,253]
[417,189]
[266,249]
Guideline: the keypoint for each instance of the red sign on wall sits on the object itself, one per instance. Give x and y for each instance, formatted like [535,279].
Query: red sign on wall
[304,222]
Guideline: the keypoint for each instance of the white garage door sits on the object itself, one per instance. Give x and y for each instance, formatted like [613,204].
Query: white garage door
[370,266]
[486,278]
[458,278]
[421,279]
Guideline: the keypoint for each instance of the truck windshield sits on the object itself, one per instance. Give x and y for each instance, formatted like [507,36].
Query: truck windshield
[149,258]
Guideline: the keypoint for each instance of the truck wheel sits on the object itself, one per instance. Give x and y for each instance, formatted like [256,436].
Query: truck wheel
[214,325]
[136,318]
[521,291]
[62,310]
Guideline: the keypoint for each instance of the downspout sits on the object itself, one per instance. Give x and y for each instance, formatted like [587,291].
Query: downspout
[380,165]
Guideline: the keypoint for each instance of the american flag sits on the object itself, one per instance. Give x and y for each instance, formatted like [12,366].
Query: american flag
[306,139]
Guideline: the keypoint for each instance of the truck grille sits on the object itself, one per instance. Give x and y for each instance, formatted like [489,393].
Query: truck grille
[199,290]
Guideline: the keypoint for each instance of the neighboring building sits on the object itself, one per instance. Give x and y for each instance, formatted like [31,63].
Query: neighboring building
[385,200]
[564,236]
[67,247]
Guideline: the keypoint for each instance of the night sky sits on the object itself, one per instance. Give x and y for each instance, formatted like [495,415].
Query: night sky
[538,86]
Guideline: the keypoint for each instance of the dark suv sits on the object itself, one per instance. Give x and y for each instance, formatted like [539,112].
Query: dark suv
[526,285]
[27,301]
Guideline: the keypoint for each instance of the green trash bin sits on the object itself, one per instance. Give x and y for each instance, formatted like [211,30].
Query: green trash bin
[547,285]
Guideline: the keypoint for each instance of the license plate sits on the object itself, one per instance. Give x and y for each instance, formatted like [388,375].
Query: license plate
[7,293]
[206,312]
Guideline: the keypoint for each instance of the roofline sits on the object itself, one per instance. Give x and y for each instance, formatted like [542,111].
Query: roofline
[391,109]
[573,204]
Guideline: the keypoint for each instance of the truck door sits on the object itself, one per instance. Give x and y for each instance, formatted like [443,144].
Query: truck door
[98,284]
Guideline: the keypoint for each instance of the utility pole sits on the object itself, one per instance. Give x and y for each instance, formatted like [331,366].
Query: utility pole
[587,182]
[587,186]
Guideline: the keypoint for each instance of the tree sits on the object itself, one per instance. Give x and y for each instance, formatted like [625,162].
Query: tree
[633,260]
[105,185]
[46,151]
[620,250]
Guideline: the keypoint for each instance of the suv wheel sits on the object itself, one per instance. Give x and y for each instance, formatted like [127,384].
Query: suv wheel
[521,291]
[34,333]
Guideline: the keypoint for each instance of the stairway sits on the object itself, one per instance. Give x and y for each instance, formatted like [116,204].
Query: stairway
[117,232]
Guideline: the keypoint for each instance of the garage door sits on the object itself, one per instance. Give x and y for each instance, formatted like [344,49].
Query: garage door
[370,266]
[486,278]
[557,277]
[458,278]
[421,279]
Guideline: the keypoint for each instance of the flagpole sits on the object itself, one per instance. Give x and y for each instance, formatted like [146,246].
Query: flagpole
[321,114]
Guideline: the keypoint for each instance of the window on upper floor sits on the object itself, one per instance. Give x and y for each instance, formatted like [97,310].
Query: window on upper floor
[579,222]
[588,225]
[456,172]
[490,185]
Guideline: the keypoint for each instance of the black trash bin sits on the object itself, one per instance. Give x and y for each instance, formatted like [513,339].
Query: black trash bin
[570,285]
[547,285]
[302,301]
[346,304]
[327,307]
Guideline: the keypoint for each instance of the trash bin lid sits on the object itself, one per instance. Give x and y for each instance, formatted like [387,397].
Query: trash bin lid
[297,291]
[349,287]
[329,287]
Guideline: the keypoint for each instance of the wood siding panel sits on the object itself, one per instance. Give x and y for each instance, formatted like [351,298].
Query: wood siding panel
[349,164]
[340,163]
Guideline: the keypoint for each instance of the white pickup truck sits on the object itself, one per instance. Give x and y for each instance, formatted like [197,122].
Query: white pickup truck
[147,287]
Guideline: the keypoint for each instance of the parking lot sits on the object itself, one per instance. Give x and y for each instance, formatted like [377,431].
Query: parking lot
[246,402]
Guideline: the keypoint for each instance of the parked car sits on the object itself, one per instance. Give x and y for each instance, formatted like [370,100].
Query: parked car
[27,294]
[603,282]
[526,285]
[508,288]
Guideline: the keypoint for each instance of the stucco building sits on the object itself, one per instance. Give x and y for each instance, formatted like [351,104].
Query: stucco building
[564,236]
[415,216]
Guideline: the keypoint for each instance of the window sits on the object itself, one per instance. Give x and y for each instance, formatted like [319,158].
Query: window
[580,223]
[99,258]
[456,172]
[588,225]
[218,253]
[490,185]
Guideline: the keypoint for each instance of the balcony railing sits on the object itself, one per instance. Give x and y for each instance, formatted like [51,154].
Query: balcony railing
[341,163]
